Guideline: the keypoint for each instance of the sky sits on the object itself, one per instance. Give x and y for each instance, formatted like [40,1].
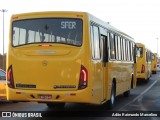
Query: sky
[138,18]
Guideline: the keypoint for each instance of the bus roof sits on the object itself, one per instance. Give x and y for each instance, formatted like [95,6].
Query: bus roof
[143,45]
[72,14]
[110,27]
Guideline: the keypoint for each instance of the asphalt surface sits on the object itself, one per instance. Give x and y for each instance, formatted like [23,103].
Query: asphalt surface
[146,97]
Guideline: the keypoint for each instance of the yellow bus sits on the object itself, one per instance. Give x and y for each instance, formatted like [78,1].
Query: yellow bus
[59,57]
[143,62]
[154,63]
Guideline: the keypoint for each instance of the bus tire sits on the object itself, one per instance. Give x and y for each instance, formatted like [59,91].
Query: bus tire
[146,81]
[111,102]
[56,105]
[14,101]
[132,84]
[127,93]
[154,72]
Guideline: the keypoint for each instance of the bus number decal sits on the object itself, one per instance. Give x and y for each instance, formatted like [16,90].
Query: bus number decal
[68,25]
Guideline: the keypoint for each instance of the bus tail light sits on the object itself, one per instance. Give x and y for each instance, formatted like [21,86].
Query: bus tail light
[143,69]
[10,80]
[83,80]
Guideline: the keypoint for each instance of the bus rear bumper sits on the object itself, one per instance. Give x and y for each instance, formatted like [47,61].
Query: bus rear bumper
[79,96]
[154,71]
[141,76]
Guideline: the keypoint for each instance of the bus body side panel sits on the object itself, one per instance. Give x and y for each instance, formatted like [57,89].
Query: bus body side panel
[122,73]
[126,76]
[97,81]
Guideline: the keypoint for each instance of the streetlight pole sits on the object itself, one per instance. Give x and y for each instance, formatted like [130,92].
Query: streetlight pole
[157,47]
[3,10]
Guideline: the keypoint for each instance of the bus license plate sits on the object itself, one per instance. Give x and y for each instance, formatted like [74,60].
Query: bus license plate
[45,97]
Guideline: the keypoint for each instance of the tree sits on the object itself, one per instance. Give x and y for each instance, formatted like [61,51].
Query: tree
[1,61]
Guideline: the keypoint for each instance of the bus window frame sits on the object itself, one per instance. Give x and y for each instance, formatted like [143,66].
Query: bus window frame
[92,24]
[109,45]
[139,55]
[13,32]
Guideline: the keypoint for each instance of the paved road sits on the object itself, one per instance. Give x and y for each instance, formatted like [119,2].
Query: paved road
[146,97]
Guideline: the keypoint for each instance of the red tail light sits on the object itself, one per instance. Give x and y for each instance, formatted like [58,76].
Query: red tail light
[83,80]
[143,69]
[10,80]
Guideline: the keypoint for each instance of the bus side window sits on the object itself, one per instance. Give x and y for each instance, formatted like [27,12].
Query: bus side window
[119,49]
[116,46]
[103,41]
[127,51]
[95,42]
[122,50]
[112,46]
[131,51]
[104,48]
[92,45]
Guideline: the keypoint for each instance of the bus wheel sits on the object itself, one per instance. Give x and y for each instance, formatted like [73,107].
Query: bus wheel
[132,86]
[127,93]
[154,72]
[146,81]
[111,102]
[14,101]
[56,105]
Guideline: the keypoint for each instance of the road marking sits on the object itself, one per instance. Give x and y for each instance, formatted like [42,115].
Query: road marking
[139,95]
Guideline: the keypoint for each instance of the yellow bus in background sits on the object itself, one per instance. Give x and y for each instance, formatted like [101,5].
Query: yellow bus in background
[154,63]
[60,57]
[143,62]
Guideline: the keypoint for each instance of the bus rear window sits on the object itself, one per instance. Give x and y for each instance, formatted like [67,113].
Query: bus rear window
[139,51]
[47,30]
